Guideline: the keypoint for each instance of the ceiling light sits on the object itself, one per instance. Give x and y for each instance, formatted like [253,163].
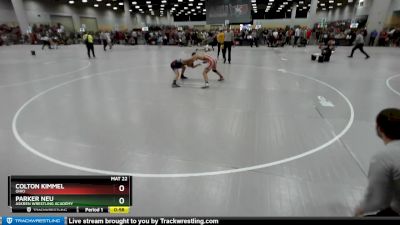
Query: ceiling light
[134,3]
[115,8]
[120,3]
[84,1]
[71,2]
[96,5]
[108,4]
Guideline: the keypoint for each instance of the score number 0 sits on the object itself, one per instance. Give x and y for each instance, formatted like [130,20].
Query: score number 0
[121,200]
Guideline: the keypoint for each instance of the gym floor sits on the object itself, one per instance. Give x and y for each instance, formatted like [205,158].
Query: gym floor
[281,136]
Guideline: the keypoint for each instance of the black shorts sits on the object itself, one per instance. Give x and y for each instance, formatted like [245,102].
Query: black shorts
[176,65]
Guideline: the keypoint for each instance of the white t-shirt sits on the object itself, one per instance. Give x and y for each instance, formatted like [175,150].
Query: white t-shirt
[297,32]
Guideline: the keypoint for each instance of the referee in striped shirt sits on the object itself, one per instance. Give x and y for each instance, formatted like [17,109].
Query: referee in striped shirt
[228,41]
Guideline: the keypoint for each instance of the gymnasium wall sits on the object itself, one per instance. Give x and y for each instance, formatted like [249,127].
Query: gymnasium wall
[7,14]
[394,19]
[280,23]
[343,13]
[40,12]
[190,23]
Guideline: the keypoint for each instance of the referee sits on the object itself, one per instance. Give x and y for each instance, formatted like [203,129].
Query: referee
[228,41]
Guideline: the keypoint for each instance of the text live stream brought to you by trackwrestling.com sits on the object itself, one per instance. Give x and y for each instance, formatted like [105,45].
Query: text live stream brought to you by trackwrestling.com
[54,220]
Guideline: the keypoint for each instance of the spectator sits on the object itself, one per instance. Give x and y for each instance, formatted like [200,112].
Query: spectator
[296,36]
[383,38]
[372,38]
[382,196]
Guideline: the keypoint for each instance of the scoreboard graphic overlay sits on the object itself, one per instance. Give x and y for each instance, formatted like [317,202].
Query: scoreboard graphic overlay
[74,194]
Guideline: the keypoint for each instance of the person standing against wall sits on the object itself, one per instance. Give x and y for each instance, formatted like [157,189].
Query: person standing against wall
[109,41]
[228,41]
[254,36]
[296,36]
[135,37]
[103,38]
[372,38]
[308,35]
[382,197]
[89,41]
